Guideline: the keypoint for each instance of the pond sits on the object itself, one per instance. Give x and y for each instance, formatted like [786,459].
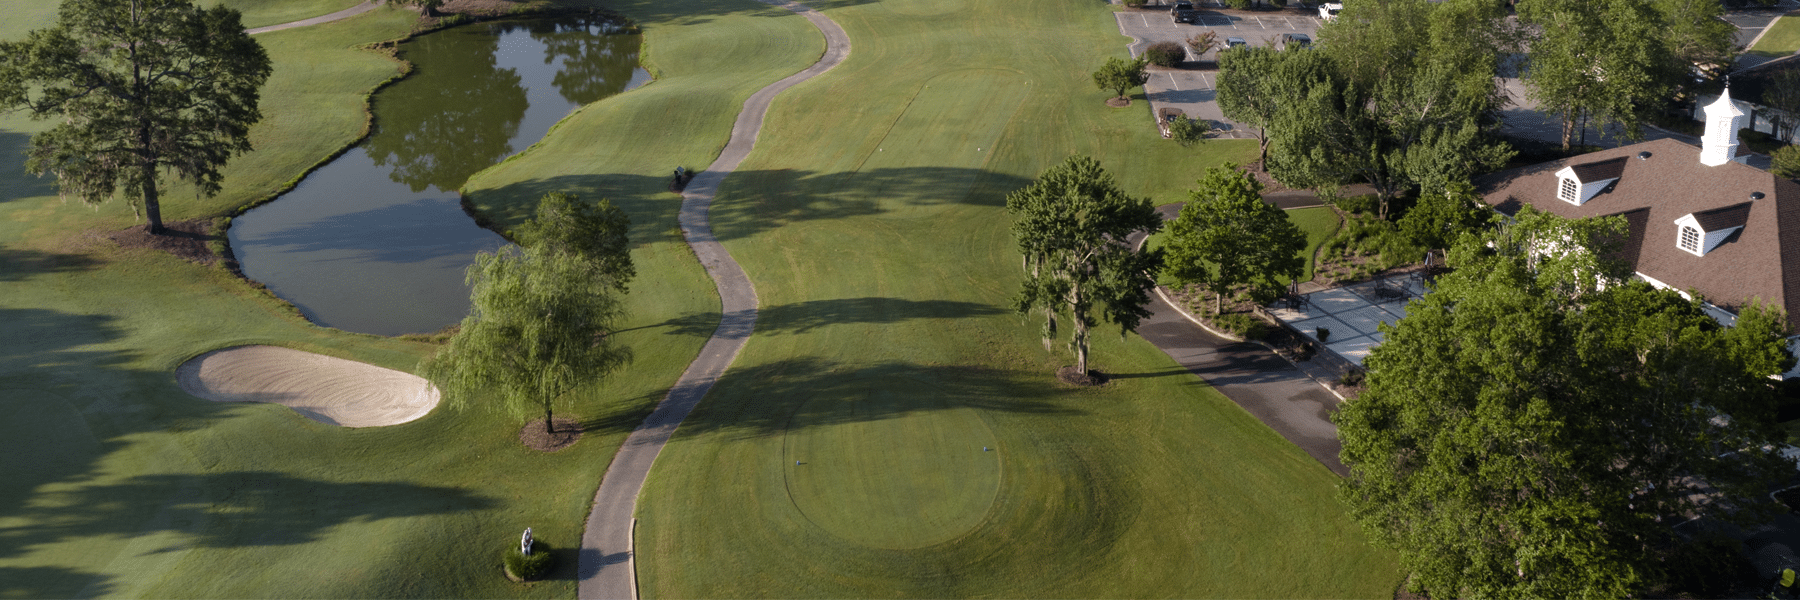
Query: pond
[376,241]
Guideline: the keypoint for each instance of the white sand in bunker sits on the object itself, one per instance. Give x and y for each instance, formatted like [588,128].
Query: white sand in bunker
[329,390]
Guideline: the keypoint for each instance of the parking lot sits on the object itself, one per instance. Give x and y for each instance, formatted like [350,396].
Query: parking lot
[1191,90]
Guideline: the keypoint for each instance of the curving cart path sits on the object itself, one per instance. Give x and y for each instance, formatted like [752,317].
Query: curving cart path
[336,16]
[606,568]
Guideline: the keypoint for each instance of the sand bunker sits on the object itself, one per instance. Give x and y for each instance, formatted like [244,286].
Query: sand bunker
[329,390]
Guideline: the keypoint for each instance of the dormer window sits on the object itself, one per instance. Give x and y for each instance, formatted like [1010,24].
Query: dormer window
[1577,184]
[1690,239]
[1702,232]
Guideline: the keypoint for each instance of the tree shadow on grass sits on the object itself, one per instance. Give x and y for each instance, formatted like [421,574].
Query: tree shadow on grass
[759,201]
[804,317]
[219,510]
[67,403]
[774,398]
[19,265]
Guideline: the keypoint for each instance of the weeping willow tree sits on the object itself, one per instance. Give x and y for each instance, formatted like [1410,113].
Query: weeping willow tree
[1072,226]
[543,318]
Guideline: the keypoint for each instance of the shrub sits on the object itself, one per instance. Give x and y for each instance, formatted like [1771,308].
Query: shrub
[1357,205]
[1787,162]
[529,567]
[1352,377]
[1165,54]
[1187,132]
[1247,326]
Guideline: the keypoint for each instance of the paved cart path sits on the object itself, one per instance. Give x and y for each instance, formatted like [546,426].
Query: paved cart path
[606,569]
[336,16]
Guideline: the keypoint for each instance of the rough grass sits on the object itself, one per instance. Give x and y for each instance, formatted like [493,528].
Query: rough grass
[118,483]
[870,218]
[1782,38]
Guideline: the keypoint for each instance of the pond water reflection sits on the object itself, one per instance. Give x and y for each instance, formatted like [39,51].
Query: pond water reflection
[376,241]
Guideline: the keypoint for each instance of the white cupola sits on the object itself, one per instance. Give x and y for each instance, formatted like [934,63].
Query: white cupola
[1723,120]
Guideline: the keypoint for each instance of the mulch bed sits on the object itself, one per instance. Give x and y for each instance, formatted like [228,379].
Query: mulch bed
[190,239]
[1118,102]
[1071,376]
[567,432]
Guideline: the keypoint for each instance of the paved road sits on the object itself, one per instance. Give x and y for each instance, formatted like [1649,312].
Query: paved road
[336,16]
[606,569]
[1283,397]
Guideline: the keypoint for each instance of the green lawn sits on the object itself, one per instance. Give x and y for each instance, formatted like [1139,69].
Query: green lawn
[1319,223]
[1782,38]
[118,483]
[869,219]
[842,455]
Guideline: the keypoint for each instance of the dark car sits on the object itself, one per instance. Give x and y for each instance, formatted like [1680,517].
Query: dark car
[1184,12]
[1292,40]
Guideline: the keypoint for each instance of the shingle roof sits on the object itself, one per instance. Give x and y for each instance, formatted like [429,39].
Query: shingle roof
[1599,170]
[1723,218]
[1761,261]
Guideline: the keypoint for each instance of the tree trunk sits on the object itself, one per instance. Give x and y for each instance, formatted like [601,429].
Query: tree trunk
[152,207]
[1262,149]
[549,424]
[1218,303]
[1081,329]
[1568,128]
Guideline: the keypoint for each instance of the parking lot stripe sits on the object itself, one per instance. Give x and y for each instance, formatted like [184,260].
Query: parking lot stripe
[1175,83]
[1259,21]
[1145,19]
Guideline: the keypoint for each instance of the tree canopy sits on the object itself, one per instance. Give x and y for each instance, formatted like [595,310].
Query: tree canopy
[1408,97]
[1072,226]
[543,318]
[1440,217]
[1227,236]
[596,233]
[1608,62]
[140,87]
[1524,436]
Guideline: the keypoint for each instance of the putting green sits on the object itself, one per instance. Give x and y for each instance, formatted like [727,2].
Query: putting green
[897,482]
[949,130]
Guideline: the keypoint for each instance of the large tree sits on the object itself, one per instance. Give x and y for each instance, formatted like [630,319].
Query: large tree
[139,87]
[1227,236]
[1526,436]
[1411,100]
[541,324]
[1071,226]
[1607,62]
[1255,82]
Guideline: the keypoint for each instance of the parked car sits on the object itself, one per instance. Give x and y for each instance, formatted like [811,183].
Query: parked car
[1329,10]
[1233,42]
[1184,12]
[1293,40]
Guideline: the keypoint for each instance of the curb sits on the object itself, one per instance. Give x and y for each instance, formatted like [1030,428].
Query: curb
[1162,293]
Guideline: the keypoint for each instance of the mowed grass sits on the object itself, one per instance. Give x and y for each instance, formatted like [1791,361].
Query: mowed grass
[258,13]
[118,483]
[1782,38]
[842,455]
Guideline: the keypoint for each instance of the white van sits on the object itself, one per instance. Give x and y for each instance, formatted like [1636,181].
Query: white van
[1328,11]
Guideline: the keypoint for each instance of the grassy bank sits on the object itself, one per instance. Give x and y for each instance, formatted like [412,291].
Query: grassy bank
[118,483]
